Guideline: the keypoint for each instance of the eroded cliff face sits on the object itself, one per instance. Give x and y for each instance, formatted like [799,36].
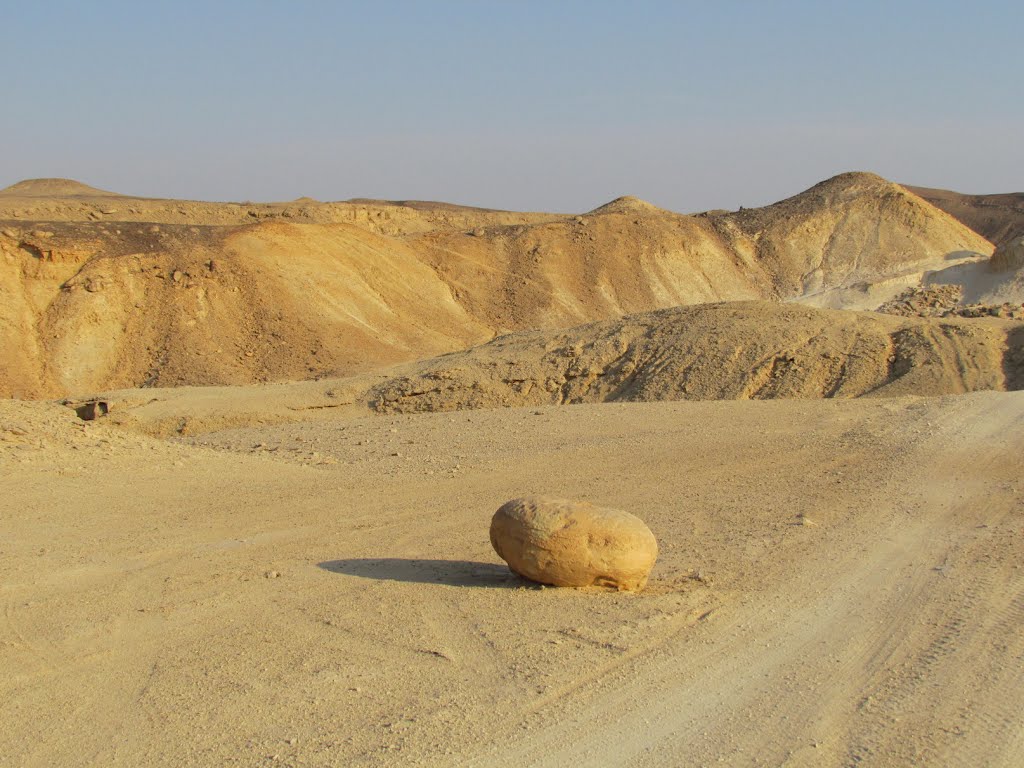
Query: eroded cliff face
[102,291]
[165,305]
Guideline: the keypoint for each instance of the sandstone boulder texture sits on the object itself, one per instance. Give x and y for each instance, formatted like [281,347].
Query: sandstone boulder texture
[573,544]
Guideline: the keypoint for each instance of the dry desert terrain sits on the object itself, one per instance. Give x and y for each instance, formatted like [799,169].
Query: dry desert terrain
[250,453]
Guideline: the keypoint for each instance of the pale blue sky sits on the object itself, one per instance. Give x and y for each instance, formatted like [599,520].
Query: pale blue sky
[523,105]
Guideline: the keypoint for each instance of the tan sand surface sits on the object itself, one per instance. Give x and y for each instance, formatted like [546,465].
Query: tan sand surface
[840,583]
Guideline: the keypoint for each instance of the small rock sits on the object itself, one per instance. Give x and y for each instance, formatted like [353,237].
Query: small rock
[272,575]
[573,544]
[92,409]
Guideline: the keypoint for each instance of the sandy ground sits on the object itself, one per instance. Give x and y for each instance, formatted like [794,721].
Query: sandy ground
[840,583]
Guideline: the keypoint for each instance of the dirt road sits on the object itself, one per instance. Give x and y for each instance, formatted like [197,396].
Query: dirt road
[840,583]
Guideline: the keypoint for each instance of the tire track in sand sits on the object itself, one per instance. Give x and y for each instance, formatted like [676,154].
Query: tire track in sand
[784,677]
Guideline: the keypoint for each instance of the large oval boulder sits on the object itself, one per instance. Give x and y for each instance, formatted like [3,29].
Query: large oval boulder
[573,544]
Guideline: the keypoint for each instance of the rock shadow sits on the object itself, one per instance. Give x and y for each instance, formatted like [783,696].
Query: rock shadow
[454,573]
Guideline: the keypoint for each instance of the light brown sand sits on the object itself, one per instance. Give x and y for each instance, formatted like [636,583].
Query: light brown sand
[839,583]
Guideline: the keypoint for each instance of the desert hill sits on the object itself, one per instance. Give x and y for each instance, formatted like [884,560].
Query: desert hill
[998,218]
[146,305]
[628,204]
[298,573]
[853,241]
[730,351]
[124,292]
[53,188]
[734,351]
[66,200]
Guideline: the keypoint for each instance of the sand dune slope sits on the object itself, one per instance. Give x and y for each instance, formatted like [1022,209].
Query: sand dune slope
[838,584]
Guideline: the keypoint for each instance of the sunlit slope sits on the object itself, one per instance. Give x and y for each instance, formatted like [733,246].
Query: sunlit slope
[193,305]
[853,240]
[97,297]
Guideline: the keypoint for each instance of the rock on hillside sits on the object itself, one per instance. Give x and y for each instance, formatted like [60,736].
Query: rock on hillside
[743,350]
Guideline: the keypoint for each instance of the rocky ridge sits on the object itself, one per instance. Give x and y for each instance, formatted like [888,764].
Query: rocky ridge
[99,291]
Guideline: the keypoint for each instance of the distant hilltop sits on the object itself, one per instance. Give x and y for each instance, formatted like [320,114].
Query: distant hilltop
[54,188]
